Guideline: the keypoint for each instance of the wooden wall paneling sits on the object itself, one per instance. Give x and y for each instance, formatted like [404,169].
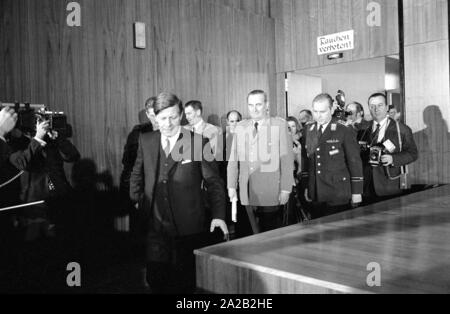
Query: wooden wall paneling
[427,111]
[425,20]
[197,49]
[281,11]
[310,19]
[427,88]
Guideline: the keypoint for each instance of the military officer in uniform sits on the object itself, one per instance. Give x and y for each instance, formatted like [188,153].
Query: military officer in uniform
[333,164]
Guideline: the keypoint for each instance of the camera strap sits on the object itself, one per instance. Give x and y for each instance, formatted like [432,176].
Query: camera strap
[403,169]
[11,180]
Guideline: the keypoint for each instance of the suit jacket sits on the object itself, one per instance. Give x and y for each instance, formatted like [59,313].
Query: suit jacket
[47,168]
[187,174]
[130,153]
[380,175]
[261,166]
[333,164]
[10,165]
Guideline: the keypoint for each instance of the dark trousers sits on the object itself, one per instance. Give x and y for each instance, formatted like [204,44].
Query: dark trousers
[176,274]
[264,218]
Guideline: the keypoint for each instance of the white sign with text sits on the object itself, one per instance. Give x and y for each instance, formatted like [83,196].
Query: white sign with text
[335,42]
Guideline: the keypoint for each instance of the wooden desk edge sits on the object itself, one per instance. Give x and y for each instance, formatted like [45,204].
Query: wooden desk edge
[284,274]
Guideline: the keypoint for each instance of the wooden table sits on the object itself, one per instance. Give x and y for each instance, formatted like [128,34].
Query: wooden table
[408,237]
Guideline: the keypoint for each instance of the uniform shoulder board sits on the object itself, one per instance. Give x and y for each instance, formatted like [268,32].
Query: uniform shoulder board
[342,122]
[312,127]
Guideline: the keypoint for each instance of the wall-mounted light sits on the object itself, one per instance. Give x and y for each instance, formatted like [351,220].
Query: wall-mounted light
[335,56]
[139,35]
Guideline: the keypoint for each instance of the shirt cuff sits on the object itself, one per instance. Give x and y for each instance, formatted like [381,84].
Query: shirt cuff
[43,143]
[289,192]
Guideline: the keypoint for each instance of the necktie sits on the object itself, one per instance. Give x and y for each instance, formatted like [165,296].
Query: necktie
[167,148]
[375,133]
[320,131]
[255,130]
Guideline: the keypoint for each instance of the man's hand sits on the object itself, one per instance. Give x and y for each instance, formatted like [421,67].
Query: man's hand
[8,119]
[284,197]
[232,194]
[307,196]
[42,129]
[387,160]
[222,225]
[53,135]
[356,199]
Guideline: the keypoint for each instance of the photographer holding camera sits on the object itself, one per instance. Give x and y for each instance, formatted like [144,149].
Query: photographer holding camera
[45,178]
[390,147]
[11,164]
[354,113]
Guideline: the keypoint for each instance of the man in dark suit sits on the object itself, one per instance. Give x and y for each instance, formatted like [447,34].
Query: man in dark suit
[166,182]
[10,164]
[398,150]
[335,175]
[131,146]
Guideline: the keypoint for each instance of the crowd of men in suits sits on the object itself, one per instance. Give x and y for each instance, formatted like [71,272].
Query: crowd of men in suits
[185,182]
[180,174]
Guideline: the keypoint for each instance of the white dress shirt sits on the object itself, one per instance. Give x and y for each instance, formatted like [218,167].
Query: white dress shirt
[197,128]
[172,139]
[383,126]
[324,126]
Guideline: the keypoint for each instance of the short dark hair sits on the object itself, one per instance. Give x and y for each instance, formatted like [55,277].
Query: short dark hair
[195,104]
[149,103]
[257,92]
[297,124]
[308,112]
[378,95]
[235,111]
[322,97]
[166,100]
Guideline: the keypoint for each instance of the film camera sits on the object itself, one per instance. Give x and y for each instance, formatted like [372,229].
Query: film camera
[340,112]
[29,114]
[375,153]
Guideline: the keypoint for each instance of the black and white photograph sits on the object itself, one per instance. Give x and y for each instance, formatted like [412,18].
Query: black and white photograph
[224,152]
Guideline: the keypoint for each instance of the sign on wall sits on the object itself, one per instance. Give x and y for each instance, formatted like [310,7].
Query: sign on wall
[335,42]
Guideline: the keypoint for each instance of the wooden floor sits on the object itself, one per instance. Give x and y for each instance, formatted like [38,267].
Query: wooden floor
[409,238]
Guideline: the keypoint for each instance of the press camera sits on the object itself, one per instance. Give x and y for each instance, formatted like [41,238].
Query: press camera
[375,153]
[340,112]
[29,114]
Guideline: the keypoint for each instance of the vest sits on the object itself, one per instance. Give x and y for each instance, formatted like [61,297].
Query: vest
[163,216]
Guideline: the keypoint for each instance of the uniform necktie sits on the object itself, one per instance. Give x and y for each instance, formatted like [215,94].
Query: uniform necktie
[320,131]
[167,148]
[255,130]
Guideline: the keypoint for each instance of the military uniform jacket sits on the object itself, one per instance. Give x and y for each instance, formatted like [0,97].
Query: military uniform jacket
[261,166]
[333,164]
[382,177]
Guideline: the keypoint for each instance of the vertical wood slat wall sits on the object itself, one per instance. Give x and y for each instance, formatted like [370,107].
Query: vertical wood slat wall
[198,49]
[428,88]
